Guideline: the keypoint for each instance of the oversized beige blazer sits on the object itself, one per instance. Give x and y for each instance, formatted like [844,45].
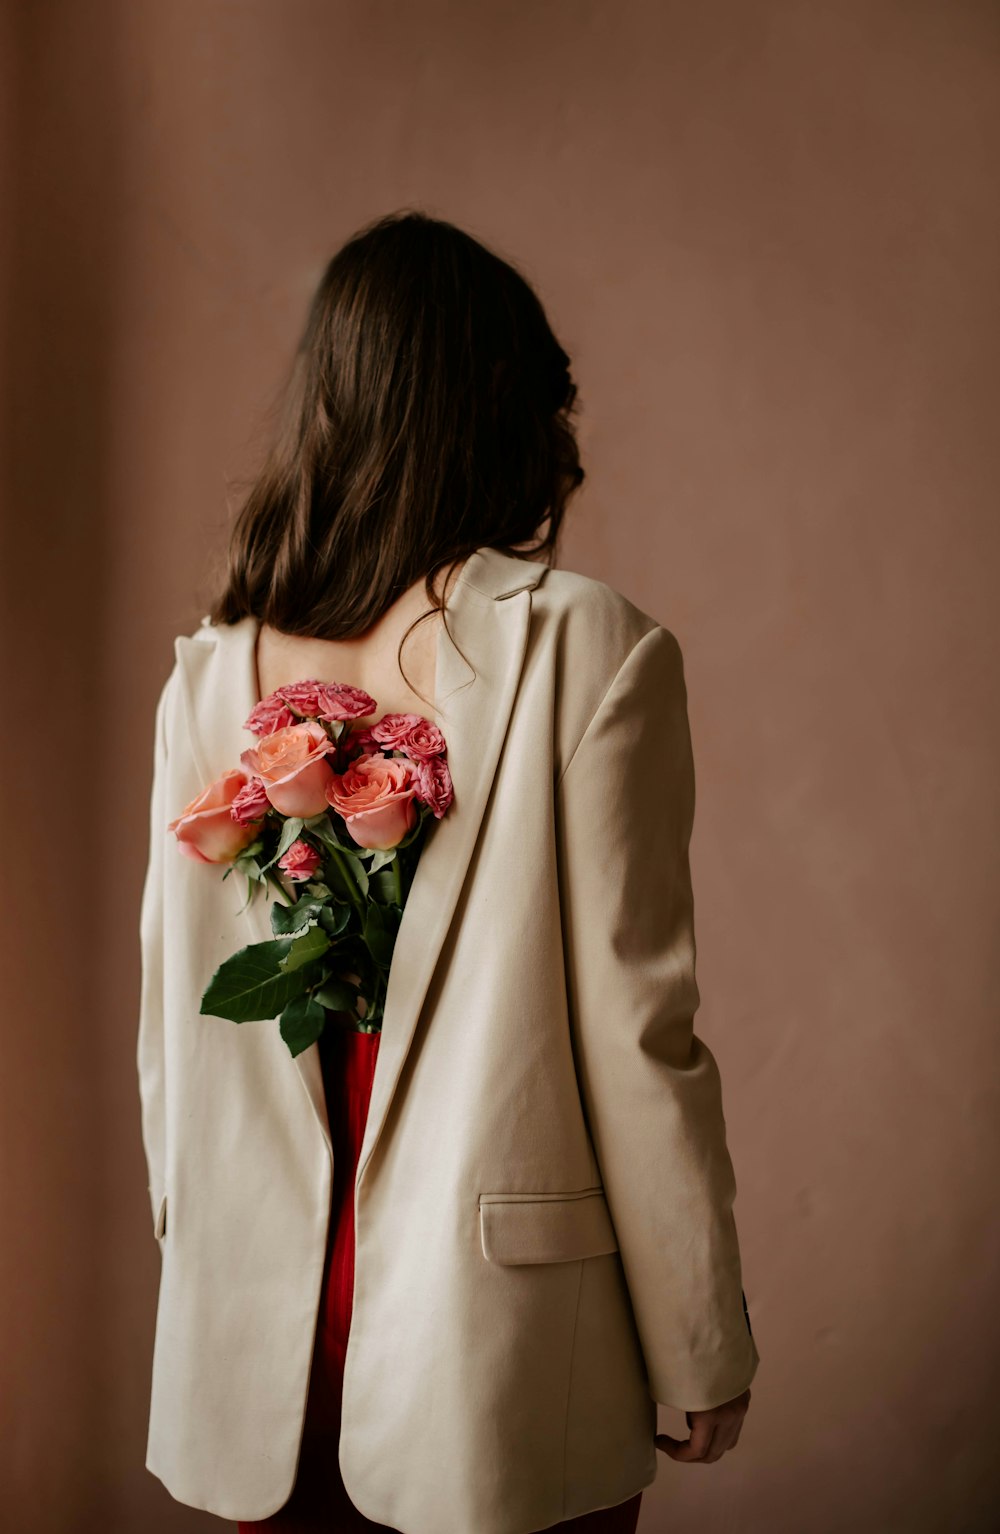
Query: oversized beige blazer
[545,1242]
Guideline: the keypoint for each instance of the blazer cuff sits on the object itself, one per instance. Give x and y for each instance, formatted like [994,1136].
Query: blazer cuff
[702,1386]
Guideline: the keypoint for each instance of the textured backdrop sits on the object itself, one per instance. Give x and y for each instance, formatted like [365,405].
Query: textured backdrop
[768,235]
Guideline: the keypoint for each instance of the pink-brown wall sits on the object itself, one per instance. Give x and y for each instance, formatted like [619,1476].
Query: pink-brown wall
[768,233]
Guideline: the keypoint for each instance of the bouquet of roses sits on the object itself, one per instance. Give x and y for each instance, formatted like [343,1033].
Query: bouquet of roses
[333,817]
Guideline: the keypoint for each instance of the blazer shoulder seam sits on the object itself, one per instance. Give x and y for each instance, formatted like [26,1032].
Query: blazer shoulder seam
[656,628]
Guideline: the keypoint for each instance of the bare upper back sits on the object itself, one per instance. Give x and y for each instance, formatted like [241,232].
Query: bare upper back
[368,661]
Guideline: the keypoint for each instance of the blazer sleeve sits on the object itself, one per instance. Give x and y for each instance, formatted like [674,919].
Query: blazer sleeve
[650,1086]
[150,1042]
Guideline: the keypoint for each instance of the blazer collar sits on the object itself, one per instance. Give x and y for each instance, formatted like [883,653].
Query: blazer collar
[488,612]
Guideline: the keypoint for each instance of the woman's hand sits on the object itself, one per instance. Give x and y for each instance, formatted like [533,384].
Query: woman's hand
[712,1432]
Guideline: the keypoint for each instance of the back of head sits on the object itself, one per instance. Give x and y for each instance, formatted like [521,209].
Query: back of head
[428,412]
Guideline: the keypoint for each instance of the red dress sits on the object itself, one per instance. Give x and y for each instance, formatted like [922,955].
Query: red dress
[319,1503]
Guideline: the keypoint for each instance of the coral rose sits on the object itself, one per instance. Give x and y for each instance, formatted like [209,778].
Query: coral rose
[205,828]
[293,768]
[375,798]
[301,861]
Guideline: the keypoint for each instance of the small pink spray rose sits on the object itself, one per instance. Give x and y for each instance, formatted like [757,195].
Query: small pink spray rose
[417,737]
[300,862]
[270,714]
[327,700]
[434,784]
[308,700]
[251,803]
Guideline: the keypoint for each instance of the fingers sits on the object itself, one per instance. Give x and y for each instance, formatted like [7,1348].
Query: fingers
[688,1451]
[723,1438]
[711,1434]
[717,1446]
[702,1432]
[695,1448]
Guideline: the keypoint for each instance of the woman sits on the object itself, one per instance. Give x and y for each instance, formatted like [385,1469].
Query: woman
[436,1279]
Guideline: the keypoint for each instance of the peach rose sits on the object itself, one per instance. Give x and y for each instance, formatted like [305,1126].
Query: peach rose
[375,798]
[205,828]
[293,768]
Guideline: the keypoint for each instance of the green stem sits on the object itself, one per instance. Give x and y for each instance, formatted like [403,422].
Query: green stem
[349,882]
[273,879]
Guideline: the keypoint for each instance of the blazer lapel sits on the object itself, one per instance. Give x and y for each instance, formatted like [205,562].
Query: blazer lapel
[473,712]
[488,614]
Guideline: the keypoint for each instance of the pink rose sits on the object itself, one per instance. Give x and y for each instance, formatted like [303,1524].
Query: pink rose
[434,784]
[206,830]
[293,768]
[251,803]
[375,798]
[270,714]
[412,734]
[327,700]
[301,861]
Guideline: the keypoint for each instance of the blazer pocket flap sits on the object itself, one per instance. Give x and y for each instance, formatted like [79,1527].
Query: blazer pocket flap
[160,1227]
[545,1227]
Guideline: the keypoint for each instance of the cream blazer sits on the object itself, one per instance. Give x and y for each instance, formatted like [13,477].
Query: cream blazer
[545,1241]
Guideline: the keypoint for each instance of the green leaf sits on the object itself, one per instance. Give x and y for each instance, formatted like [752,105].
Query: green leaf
[358,870]
[392,915]
[382,886]
[322,828]
[339,995]
[334,918]
[319,823]
[380,858]
[373,1018]
[347,857]
[311,945]
[251,984]
[286,919]
[302,1022]
[251,892]
[378,940]
[289,833]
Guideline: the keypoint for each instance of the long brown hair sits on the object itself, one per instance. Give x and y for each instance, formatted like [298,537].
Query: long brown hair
[427,412]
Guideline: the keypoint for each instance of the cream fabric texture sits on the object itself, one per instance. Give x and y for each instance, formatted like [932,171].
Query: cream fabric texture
[545,1241]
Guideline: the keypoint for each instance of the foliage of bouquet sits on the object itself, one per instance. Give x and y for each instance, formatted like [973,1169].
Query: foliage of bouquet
[333,817]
